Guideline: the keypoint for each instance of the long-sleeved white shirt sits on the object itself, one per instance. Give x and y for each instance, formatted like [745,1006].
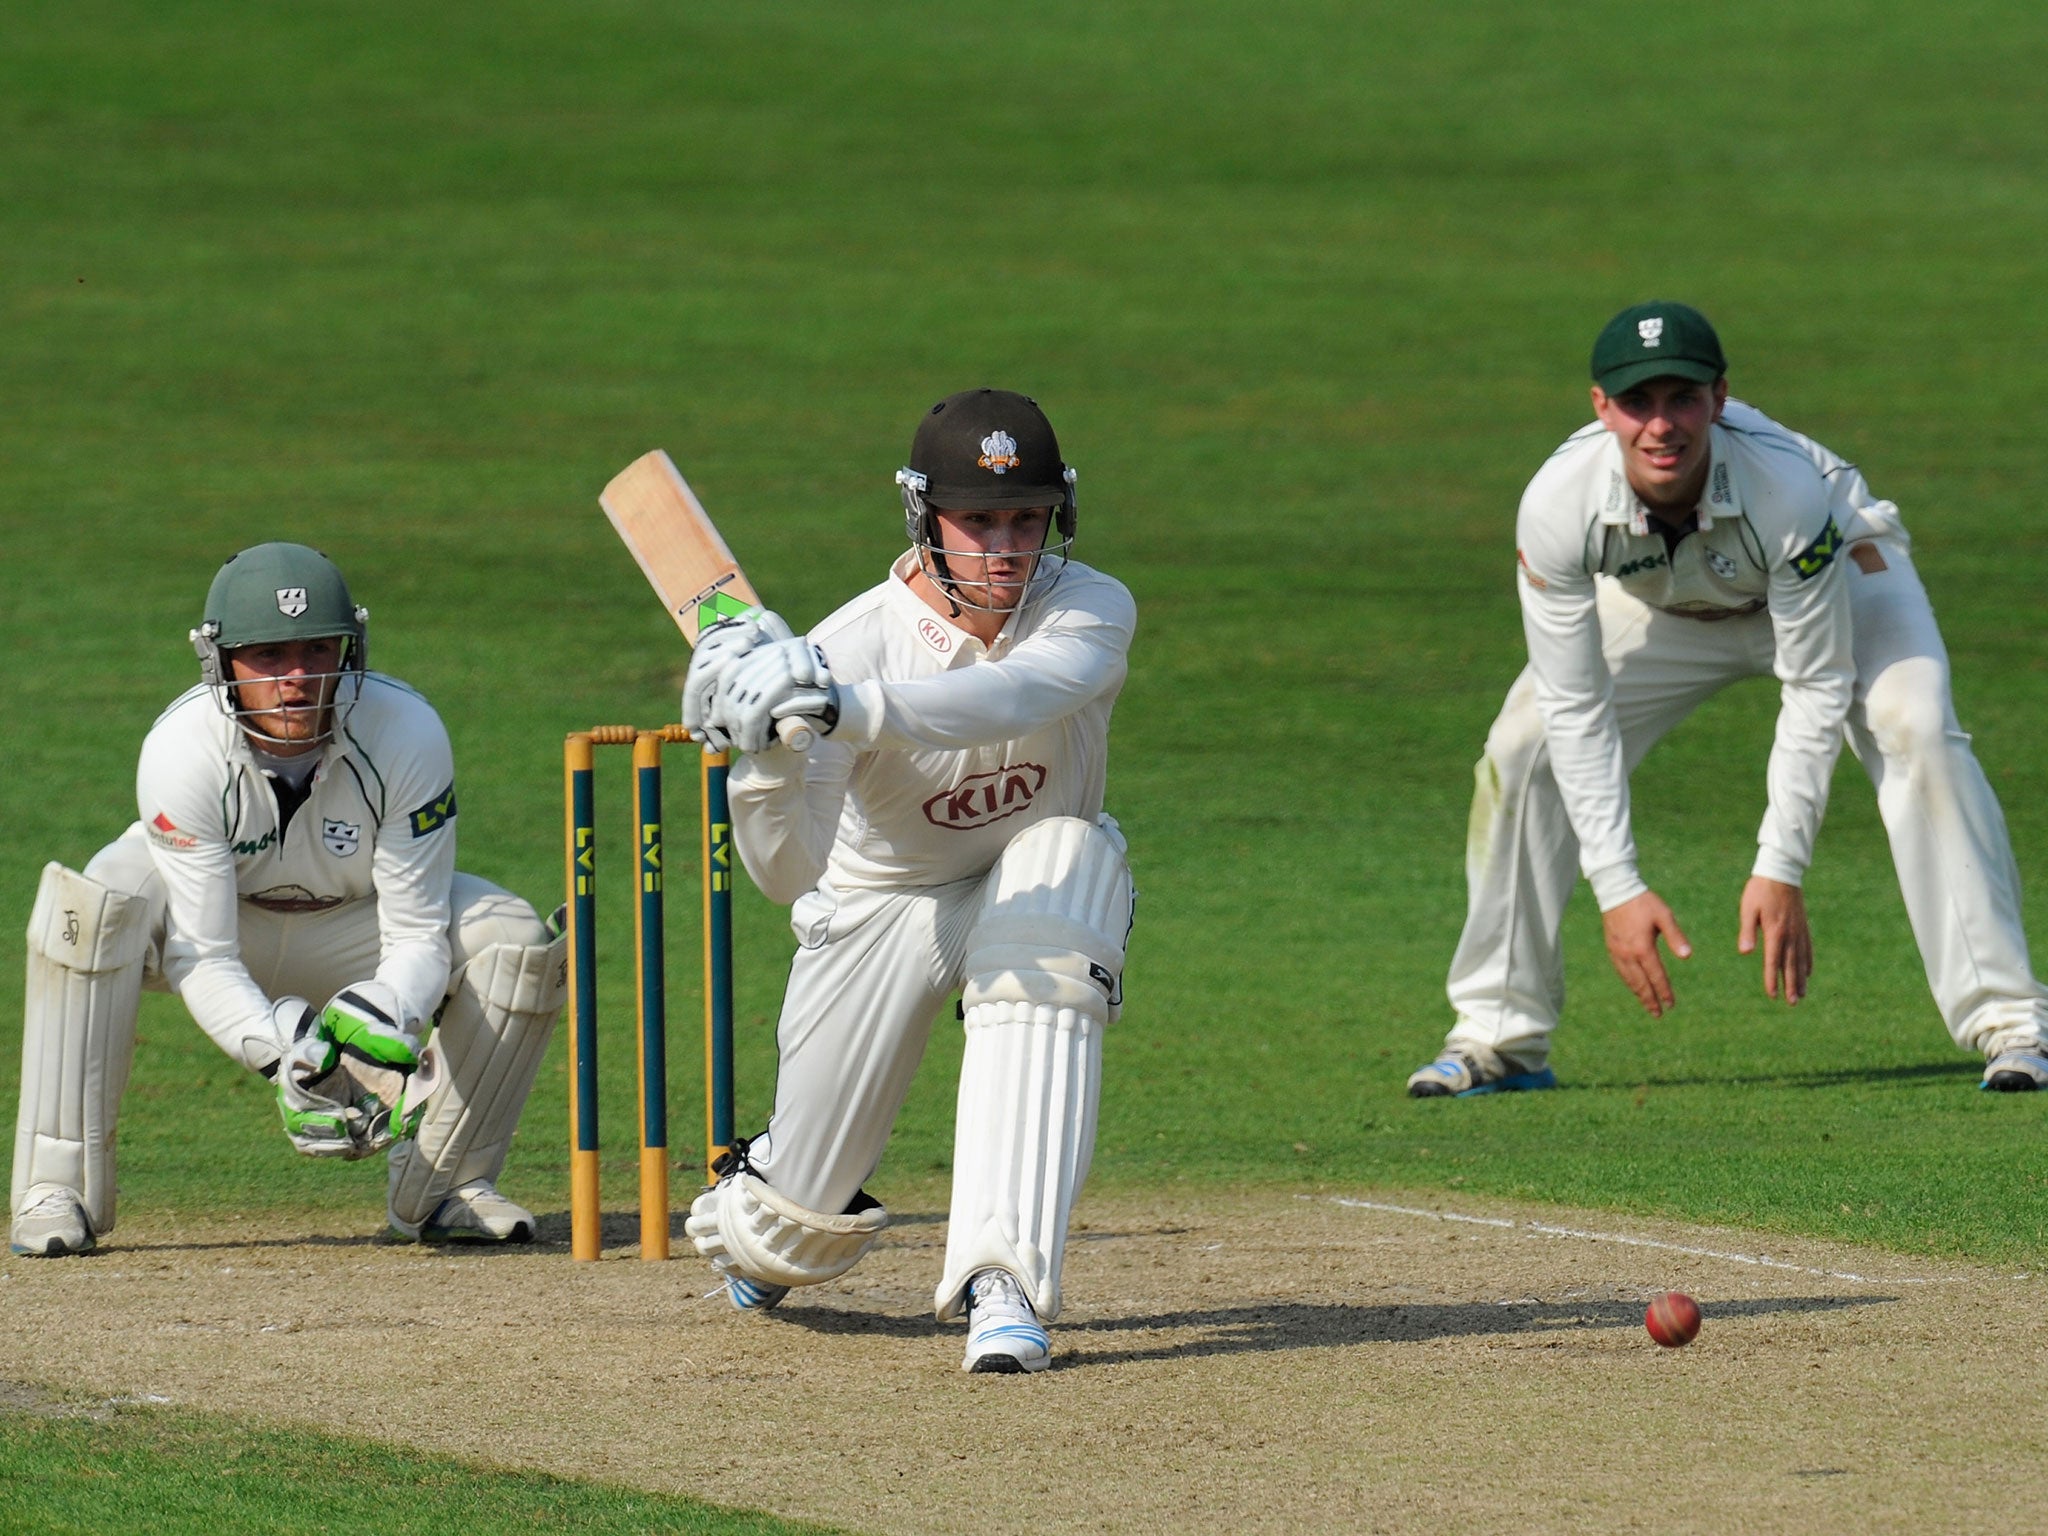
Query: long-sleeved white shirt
[378,821]
[1766,540]
[946,748]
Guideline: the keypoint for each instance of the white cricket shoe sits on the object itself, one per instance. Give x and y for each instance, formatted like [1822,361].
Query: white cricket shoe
[1465,1070]
[1004,1336]
[2023,1070]
[474,1213]
[50,1224]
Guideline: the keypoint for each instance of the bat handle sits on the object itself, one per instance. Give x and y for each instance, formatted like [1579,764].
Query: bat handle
[795,734]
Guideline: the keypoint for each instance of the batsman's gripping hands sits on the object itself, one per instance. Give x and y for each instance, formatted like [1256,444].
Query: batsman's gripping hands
[1776,913]
[772,685]
[718,648]
[1632,931]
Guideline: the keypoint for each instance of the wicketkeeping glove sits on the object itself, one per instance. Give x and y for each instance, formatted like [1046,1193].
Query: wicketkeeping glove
[717,649]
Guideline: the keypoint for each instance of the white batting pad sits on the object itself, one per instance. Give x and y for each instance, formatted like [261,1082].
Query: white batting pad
[740,1223]
[1029,1085]
[1055,915]
[1044,973]
[487,1049]
[85,953]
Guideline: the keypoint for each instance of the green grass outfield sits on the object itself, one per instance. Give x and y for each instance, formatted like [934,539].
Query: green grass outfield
[1307,288]
[84,1472]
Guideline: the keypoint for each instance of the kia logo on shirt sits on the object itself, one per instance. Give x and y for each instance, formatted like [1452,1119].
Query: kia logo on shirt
[935,635]
[981,798]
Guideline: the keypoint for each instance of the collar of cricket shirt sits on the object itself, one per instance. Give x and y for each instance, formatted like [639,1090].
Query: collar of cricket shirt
[946,641]
[1620,506]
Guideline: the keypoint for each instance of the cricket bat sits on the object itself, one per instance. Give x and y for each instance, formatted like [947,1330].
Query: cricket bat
[685,560]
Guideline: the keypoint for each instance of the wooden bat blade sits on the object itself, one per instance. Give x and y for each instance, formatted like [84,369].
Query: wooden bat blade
[676,545]
[683,556]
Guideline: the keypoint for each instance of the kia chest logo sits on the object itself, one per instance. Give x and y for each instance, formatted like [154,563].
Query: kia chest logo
[981,798]
[935,635]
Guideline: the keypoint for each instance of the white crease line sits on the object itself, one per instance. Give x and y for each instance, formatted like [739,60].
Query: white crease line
[1546,1230]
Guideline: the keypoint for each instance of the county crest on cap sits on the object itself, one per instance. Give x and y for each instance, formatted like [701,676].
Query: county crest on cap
[999,452]
[291,601]
[1651,330]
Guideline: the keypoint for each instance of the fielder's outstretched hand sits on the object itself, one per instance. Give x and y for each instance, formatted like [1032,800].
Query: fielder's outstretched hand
[1778,912]
[1633,929]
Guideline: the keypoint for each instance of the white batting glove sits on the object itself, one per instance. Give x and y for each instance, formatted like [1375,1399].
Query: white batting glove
[718,648]
[774,682]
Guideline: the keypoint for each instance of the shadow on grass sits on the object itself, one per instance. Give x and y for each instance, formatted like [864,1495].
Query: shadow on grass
[1259,1329]
[1842,1078]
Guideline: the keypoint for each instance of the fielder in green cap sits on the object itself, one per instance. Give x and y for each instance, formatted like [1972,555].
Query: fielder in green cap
[1682,542]
[292,879]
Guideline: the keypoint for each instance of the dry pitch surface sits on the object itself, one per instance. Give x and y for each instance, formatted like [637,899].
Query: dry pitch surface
[1290,1362]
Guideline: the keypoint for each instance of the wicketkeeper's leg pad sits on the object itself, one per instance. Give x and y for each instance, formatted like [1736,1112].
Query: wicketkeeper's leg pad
[86,943]
[741,1224]
[1044,975]
[487,1048]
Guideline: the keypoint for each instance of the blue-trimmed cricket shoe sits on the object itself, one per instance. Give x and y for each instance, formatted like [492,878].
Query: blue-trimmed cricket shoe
[749,1295]
[1463,1074]
[1004,1335]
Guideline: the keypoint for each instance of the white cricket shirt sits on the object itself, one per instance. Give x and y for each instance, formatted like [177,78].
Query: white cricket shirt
[378,821]
[1766,541]
[946,748]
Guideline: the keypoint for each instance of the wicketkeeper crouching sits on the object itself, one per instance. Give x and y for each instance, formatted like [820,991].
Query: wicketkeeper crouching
[291,878]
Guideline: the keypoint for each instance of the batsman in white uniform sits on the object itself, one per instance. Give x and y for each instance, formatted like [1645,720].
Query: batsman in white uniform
[945,834]
[296,841]
[1664,552]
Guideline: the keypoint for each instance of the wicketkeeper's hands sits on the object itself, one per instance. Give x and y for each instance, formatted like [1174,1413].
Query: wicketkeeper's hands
[774,682]
[717,649]
[318,1122]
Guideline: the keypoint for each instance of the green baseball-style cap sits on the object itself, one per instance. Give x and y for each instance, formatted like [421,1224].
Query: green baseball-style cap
[1655,341]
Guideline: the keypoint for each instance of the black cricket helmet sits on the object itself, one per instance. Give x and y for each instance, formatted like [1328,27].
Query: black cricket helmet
[985,450]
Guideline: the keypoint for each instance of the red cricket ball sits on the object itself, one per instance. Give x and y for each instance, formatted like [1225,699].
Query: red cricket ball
[1673,1319]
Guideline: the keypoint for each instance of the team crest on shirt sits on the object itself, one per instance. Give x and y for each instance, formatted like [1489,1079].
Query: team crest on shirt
[999,452]
[1720,565]
[340,838]
[291,601]
[981,798]
[1651,330]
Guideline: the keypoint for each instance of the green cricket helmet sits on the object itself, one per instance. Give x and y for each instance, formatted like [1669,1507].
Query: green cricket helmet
[279,592]
[985,450]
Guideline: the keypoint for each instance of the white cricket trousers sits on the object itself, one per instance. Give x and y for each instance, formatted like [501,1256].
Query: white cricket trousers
[1948,837]
[872,972]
